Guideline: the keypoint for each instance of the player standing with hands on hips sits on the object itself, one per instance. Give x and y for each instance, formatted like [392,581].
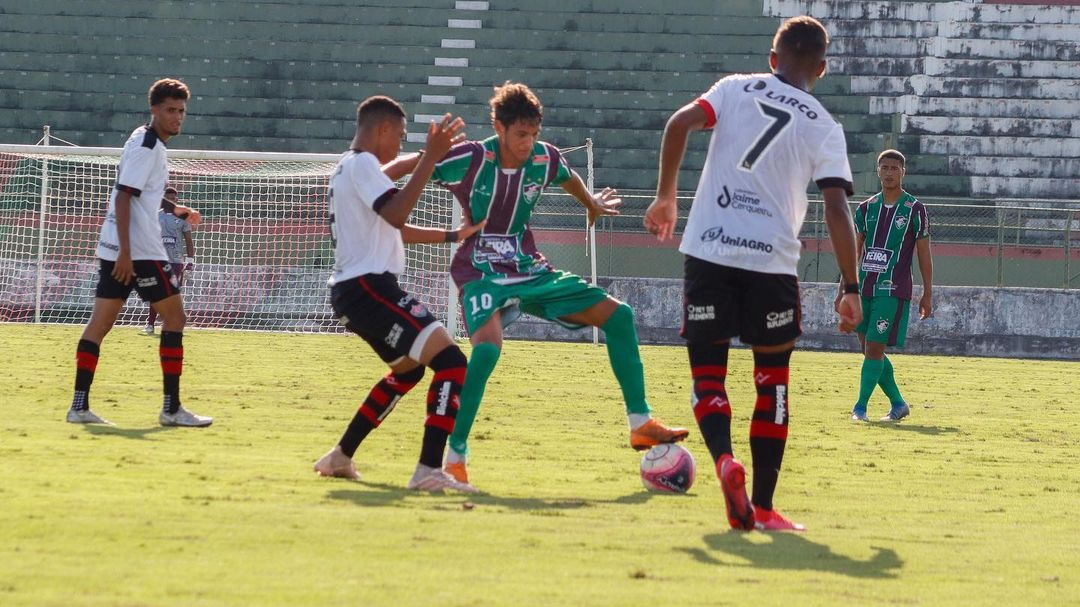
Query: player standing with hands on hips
[741,242]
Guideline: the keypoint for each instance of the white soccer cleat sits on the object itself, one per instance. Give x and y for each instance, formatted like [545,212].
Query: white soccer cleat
[335,463]
[85,416]
[148,330]
[431,479]
[184,418]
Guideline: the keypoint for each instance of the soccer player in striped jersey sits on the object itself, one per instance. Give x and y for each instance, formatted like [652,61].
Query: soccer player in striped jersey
[892,227]
[501,273]
[368,216]
[770,137]
[132,256]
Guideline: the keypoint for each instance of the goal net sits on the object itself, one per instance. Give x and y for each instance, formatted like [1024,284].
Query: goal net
[263,251]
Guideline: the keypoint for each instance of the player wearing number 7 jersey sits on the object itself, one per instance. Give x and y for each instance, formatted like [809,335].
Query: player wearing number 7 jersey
[770,137]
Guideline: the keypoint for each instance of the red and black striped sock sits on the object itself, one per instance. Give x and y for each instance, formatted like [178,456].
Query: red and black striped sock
[708,366]
[86,359]
[443,401]
[171,351]
[769,425]
[382,399]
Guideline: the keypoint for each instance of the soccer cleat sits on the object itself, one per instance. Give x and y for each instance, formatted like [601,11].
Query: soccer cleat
[431,479]
[897,413]
[85,416]
[336,463]
[771,520]
[653,433]
[740,513]
[148,330]
[455,467]
[859,415]
[184,418]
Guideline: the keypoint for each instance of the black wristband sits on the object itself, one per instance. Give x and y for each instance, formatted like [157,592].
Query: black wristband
[451,236]
[851,287]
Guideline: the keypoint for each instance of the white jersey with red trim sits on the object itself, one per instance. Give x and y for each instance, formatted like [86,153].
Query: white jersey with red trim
[142,172]
[769,140]
[364,242]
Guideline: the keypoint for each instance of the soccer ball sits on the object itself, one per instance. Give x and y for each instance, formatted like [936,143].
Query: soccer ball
[668,467]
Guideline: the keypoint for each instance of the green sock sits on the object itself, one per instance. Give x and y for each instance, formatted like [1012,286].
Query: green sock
[888,383]
[622,349]
[481,363]
[871,373]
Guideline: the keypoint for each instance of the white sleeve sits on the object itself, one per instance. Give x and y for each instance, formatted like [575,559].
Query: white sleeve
[831,161]
[370,182]
[136,165]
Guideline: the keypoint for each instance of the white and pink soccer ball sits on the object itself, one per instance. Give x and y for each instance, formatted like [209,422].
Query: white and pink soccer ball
[668,467]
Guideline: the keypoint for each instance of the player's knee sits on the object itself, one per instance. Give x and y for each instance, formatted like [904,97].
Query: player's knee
[174,320]
[450,357]
[621,319]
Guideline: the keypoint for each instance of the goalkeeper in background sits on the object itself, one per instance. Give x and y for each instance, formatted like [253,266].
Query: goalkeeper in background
[176,221]
[892,227]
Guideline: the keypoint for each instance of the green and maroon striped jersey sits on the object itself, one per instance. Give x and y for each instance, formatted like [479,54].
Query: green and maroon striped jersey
[504,251]
[891,232]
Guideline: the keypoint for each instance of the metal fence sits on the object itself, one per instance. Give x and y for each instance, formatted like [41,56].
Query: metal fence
[1011,243]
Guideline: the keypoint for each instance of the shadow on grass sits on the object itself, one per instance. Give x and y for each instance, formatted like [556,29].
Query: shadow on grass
[916,428]
[132,433]
[793,551]
[378,494]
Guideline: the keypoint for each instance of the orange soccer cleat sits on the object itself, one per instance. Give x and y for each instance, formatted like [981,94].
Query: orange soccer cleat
[740,513]
[771,520]
[653,433]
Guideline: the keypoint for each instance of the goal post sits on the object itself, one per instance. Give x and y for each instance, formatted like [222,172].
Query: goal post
[263,251]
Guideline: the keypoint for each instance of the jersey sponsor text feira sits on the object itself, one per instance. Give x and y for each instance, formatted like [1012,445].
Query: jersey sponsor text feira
[364,242]
[142,172]
[769,140]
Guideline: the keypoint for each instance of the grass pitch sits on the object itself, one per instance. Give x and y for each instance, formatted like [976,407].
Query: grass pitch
[970,501]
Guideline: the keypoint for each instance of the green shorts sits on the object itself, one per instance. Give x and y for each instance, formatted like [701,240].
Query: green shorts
[550,295]
[885,320]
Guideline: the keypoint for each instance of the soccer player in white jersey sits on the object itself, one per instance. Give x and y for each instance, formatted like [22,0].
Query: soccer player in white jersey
[368,217]
[132,256]
[770,138]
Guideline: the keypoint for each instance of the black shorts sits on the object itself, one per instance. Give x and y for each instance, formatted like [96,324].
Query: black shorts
[394,323]
[720,302]
[154,280]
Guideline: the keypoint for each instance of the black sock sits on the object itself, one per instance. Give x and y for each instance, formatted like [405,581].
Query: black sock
[769,425]
[86,359]
[442,403]
[171,351]
[708,366]
[379,403]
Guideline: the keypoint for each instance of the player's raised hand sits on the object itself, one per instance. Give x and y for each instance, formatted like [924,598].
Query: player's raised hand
[607,202]
[441,137]
[850,311]
[188,214]
[660,217]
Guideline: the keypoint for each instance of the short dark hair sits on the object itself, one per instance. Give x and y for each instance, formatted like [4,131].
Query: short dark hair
[171,190]
[514,101]
[168,88]
[378,108]
[802,38]
[894,154]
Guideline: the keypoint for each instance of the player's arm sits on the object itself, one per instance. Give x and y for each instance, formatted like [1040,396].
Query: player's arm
[662,214]
[399,205]
[123,269]
[402,165]
[411,234]
[607,202]
[187,213]
[926,268]
[842,237]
